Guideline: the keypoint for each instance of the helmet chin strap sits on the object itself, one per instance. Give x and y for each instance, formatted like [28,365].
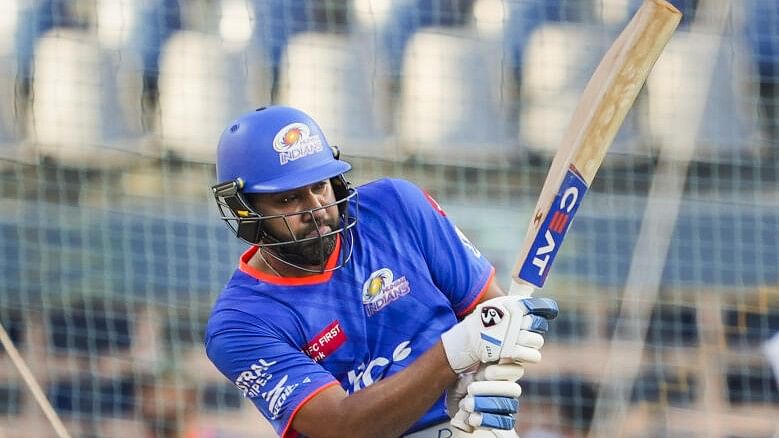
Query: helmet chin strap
[261,252]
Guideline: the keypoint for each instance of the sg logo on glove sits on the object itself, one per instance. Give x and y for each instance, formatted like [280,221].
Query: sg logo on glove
[491,316]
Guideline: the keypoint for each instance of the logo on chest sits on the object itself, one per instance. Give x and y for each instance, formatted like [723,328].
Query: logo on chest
[381,289]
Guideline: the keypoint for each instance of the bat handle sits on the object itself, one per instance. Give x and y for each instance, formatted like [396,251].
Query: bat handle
[520,289]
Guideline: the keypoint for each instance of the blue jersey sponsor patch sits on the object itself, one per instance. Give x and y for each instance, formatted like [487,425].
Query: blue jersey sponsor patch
[536,266]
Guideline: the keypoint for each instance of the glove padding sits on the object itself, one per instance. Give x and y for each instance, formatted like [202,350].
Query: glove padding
[499,328]
[484,433]
[486,399]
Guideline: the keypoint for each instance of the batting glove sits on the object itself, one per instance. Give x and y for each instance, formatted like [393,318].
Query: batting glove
[486,399]
[484,433]
[500,328]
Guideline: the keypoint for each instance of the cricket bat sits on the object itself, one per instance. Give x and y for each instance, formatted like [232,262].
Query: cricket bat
[605,102]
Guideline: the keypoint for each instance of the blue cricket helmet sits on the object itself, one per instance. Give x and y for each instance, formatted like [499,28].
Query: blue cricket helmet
[275,149]
[272,150]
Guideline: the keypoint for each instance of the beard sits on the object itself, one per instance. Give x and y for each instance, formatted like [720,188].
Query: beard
[314,252]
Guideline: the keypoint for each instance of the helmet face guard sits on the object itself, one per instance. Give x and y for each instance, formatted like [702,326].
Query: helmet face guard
[249,225]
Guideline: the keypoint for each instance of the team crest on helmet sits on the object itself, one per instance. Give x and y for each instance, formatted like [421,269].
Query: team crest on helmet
[381,289]
[295,141]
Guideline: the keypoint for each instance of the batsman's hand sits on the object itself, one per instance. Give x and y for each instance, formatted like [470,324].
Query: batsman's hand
[486,399]
[484,433]
[500,328]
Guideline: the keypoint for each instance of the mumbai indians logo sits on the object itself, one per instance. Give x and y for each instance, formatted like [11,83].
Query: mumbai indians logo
[381,289]
[295,141]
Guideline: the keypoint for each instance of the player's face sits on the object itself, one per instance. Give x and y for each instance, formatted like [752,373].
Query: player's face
[306,217]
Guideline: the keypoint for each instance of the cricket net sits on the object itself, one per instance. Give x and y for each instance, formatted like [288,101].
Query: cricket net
[111,251]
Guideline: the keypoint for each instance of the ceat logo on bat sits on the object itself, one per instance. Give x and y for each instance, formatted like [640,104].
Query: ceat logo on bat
[295,141]
[381,289]
[569,196]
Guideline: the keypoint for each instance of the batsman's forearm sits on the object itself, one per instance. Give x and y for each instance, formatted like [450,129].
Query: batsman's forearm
[396,403]
[392,405]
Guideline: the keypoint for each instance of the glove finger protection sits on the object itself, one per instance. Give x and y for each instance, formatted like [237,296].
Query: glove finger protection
[487,404]
[500,328]
[491,421]
[484,433]
[459,390]
[526,346]
[510,372]
[491,404]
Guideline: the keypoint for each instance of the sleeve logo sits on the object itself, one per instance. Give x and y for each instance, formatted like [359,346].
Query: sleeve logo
[277,396]
[467,243]
[250,381]
[326,342]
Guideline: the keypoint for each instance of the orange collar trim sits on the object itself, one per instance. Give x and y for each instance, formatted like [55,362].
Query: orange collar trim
[289,281]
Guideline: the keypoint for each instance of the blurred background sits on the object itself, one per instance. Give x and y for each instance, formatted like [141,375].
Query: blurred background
[111,252]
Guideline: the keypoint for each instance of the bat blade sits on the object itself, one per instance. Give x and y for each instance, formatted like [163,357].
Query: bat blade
[602,108]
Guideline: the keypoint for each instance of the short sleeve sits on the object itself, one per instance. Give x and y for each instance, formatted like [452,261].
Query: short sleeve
[457,267]
[275,375]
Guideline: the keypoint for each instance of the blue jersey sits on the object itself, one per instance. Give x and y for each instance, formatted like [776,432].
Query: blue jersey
[412,274]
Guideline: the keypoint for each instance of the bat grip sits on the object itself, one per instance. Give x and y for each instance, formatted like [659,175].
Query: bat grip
[518,289]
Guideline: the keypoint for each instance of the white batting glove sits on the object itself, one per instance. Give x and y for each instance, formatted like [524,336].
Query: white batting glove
[484,433]
[499,328]
[486,399]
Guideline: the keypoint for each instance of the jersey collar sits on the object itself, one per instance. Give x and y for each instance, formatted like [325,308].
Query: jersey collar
[289,281]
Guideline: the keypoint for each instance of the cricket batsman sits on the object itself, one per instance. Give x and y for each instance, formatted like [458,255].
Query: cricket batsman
[358,312]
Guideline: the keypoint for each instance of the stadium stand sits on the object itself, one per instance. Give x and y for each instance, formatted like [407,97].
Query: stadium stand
[279,20]
[332,77]
[519,19]
[730,130]
[450,99]
[9,122]
[137,29]
[565,404]
[203,83]
[761,21]
[393,23]
[72,71]
[689,384]
[29,20]
[106,292]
